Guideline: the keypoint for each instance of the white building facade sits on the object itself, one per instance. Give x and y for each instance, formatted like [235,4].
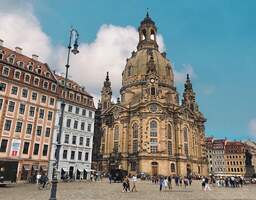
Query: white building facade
[77,134]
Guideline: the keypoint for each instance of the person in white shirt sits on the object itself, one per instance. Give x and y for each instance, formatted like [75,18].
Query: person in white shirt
[134,180]
[38,176]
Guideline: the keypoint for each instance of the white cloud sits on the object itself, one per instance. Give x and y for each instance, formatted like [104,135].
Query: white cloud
[181,76]
[19,27]
[113,44]
[252,127]
[108,52]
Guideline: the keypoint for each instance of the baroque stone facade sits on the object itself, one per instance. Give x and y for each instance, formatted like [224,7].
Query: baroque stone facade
[149,130]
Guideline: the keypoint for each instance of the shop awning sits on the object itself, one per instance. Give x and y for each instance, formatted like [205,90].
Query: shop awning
[26,167]
[80,170]
[44,168]
[35,167]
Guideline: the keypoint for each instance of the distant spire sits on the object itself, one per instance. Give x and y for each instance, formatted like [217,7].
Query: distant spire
[147,15]
[188,77]
[107,77]
[188,84]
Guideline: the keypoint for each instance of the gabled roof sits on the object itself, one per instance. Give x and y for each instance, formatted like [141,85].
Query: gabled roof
[32,65]
[113,107]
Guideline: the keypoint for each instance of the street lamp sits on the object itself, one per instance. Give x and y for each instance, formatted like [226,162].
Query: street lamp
[73,33]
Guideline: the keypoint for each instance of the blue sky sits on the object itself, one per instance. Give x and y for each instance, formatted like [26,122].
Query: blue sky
[217,38]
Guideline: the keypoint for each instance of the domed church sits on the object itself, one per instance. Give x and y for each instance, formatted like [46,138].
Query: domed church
[148,130]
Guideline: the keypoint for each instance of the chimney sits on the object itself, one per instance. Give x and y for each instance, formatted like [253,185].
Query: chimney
[1,42]
[35,57]
[18,50]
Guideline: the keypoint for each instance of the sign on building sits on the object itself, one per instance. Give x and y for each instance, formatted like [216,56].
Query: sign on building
[15,148]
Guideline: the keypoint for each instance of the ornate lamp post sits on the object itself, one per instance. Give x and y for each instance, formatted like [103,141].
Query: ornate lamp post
[73,34]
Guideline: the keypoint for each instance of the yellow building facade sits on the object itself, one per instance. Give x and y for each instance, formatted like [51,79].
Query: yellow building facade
[149,130]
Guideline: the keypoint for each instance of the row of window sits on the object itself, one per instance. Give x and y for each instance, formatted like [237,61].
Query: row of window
[234,163]
[235,156]
[219,169]
[73,155]
[153,138]
[235,170]
[75,125]
[22,109]
[78,111]
[19,125]
[26,145]
[27,78]
[74,140]
[24,94]
[77,97]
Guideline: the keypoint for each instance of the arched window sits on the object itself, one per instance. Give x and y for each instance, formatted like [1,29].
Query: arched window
[27,78]
[116,133]
[153,136]
[103,140]
[152,35]
[1,54]
[135,130]
[116,138]
[169,147]
[169,132]
[36,81]
[17,74]
[144,33]
[172,167]
[153,128]
[153,91]
[185,135]
[20,64]
[45,85]
[11,59]
[169,136]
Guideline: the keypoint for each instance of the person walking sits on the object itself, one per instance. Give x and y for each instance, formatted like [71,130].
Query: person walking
[124,185]
[185,181]
[181,181]
[44,179]
[190,180]
[169,182]
[207,187]
[134,180]
[109,178]
[161,182]
[165,183]
[38,177]
[203,183]
[176,180]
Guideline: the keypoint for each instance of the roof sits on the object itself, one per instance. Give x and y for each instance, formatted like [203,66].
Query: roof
[72,85]
[83,99]
[32,65]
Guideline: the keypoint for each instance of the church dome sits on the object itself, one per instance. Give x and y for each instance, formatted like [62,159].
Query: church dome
[147,59]
[138,67]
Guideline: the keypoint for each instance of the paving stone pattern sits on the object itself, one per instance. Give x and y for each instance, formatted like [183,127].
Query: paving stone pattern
[105,191]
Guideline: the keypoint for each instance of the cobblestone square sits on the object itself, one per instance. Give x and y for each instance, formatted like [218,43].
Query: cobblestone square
[105,191]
